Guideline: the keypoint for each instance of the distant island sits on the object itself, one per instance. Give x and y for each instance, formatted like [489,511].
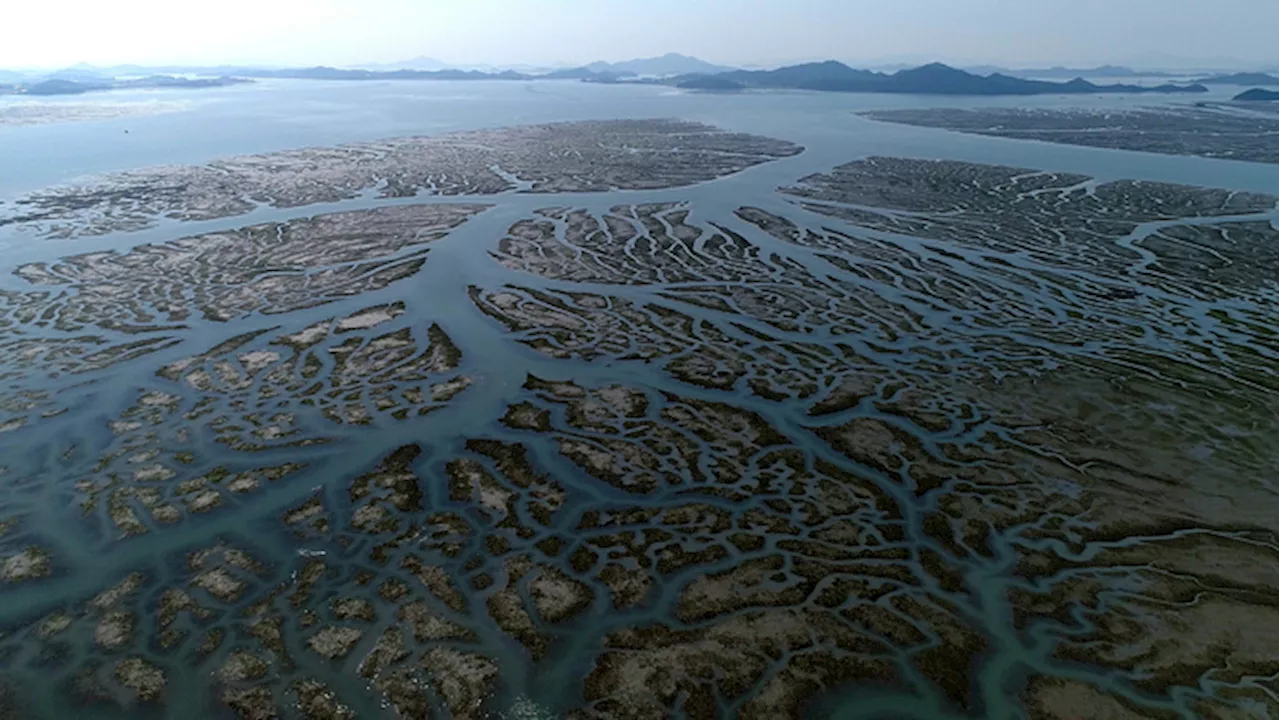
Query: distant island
[1257,95]
[62,86]
[1240,78]
[665,65]
[582,73]
[931,79]
[1059,72]
[829,76]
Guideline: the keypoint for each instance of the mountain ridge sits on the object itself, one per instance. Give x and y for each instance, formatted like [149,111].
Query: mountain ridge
[662,65]
[826,76]
[1240,78]
[928,79]
[1061,72]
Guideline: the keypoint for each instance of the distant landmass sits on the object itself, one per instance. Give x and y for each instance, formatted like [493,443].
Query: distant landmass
[169,81]
[661,66]
[830,76]
[58,86]
[584,74]
[931,79]
[1058,72]
[1257,95]
[578,73]
[62,86]
[665,65]
[1240,78]
[82,75]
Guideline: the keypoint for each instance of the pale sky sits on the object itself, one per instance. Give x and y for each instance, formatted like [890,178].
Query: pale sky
[1017,33]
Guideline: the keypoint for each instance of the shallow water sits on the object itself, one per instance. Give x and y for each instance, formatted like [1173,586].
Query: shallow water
[89,555]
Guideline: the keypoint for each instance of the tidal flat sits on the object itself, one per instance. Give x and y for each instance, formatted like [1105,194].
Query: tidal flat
[1224,130]
[556,429]
[19,112]
[559,157]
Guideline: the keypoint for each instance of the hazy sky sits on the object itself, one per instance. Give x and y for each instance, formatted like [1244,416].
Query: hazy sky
[339,32]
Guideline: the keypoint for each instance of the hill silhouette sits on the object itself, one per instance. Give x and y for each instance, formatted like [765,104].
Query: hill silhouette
[930,79]
[1240,78]
[1257,95]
